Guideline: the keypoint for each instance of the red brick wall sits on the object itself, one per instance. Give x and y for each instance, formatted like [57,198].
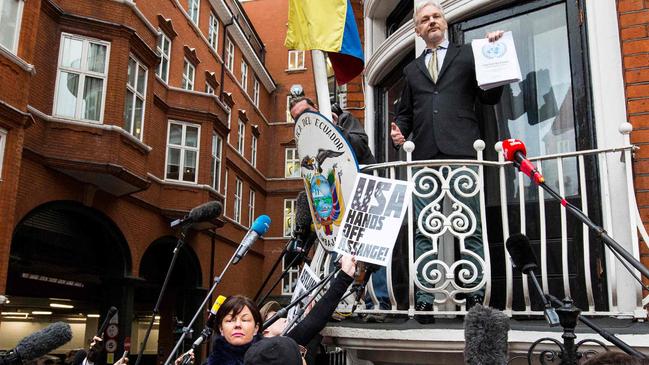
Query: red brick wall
[634,32]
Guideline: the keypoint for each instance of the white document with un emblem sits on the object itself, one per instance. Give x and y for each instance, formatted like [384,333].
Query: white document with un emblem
[496,63]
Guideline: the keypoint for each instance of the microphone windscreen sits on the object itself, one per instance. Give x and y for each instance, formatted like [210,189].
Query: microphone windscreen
[302,211]
[520,250]
[205,212]
[44,341]
[261,224]
[485,336]
[511,146]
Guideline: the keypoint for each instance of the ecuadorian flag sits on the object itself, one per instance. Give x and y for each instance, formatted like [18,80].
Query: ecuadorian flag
[330,26]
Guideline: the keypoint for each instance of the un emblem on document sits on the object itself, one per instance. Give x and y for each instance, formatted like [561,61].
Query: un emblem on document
[494,50]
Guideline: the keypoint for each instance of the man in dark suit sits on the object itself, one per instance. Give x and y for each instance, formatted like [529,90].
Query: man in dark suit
[437,112]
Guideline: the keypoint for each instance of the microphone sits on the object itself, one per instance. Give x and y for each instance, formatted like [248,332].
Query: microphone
[303,237]
[109,315]
[518,246]
[201,213]
[514,150]
[38,344]
[259,228]
[209,324]
[485,336]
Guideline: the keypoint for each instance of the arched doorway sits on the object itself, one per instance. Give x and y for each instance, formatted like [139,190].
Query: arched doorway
[67,262]
[181,300]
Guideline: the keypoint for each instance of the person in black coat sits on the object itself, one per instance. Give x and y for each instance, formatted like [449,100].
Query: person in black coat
[437,112]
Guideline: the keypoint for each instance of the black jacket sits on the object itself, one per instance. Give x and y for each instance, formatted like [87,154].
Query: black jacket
[440,118]
[354,132]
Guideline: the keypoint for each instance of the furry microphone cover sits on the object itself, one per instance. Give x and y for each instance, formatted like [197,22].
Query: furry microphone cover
[485,336]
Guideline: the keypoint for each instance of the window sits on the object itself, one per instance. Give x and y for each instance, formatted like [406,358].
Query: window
[251,207]
[135,97]
[182,151]
[255,92]
[238,191]
[289,119]
[295,60]
[229,54]
[3,143]
[225,193]
[291,163]
[81,78]
[253,151]
[208,88]
[193,7]
[241,139]
[213,32]
[11,12]
[292,275]
[217,149]
[289,216]
[164,48]
[244,76]
[188,75]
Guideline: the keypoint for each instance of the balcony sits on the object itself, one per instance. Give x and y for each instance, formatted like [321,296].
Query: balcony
[572,261]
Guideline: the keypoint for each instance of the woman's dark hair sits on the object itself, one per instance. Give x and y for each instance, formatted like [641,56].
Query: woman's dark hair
[235,305]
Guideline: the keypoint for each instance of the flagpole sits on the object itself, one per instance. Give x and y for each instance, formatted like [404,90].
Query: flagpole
[321,83]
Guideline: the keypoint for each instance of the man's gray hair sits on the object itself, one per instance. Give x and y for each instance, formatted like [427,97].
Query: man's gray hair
[423,3]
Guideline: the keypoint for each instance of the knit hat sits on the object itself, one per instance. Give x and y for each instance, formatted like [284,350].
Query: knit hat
[278,350]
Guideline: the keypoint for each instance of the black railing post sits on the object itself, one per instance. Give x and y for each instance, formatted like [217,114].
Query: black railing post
[568,315]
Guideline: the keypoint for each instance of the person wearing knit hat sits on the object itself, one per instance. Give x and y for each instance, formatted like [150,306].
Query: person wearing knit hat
[278,350]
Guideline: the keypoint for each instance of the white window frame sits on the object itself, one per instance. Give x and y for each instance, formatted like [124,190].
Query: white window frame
[289,217]
[183,148]
[228,110]
[253,151]
[255,93]
[3,144]
[208,88]
[292,277]
[251,207]
[241,137]
[229,54]
[294,160]
[238,198]
[82,76]
[217,158]
[19,18]
[225,192]
[162,38]
[188,70]
[244,75]
[289,118]
[194,10]
[298,57]
[213,31]
[137,95]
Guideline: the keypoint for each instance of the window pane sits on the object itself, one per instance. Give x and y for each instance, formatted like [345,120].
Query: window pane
[132,65]
[92,95]
[137,118]
[191,139]
[173,164]
[128,111]
[66,98]
[141,79]
[189,169]
[175,134]
[71,53]
[8,22]
[97,57]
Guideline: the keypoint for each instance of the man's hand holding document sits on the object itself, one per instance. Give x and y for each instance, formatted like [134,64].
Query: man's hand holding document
[496,63]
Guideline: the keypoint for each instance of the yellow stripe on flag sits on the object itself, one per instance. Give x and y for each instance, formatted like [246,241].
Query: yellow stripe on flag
[316,24]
